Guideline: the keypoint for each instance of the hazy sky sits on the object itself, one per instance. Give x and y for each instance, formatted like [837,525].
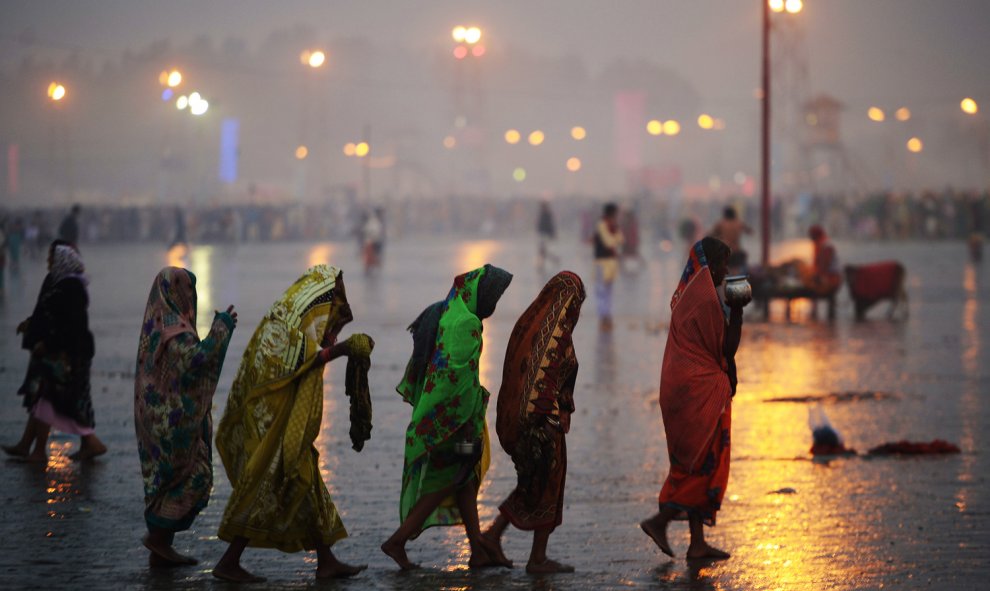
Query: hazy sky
[915,52]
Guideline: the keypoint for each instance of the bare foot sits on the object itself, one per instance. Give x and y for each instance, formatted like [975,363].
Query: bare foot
[548,567]
[235,574]
[658,534]
[339,570]
[16,451]
[397,553]
[167,553]
[88,452]
[705,552]
[493,547]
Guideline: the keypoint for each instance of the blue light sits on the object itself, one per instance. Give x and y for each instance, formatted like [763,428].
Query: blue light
[167,94]
[229,149]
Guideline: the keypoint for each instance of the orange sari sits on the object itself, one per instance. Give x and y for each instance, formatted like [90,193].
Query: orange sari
[695,396]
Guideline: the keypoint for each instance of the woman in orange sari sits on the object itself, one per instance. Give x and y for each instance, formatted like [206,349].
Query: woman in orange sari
[697,383]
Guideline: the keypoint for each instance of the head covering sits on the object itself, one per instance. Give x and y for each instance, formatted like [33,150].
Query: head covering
[491,284]
[292,330]
[695,264]
[171,311]
[539,358]
[66,262]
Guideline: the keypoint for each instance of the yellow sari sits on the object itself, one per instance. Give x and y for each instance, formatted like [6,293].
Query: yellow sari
[271,420]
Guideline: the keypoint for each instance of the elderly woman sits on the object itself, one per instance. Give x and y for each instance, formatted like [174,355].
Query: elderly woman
[175,379]
[271,421]
[697,383]
[447,450]
[535,404]
[56,388]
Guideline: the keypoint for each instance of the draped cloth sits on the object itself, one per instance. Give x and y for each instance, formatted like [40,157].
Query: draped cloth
[272,419]
[175,379]
[447,397]
[56,388]
[536,401]
[695,394]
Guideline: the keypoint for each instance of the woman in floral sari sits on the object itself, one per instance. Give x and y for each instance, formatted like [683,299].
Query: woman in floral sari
[56,389]
[697,383]
[176,377]
[439,481]
[535,404]
[271,421]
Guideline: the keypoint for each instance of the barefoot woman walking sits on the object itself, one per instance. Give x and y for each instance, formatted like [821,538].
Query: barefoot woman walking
[697,383]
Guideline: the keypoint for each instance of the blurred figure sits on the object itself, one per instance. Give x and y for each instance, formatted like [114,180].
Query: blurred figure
[56,389]
[976,228]
[373,237]
[3,254]
[32,232]
[175,379]
[629,227]
[824,276]
[15,238]
[730,230]
[697,384]
[68,230]
[607,241]
[535,404]
[546,231]
[447,451]
[273,415]
[180,229]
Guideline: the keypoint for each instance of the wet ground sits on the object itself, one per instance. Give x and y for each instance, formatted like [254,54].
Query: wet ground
[852,523]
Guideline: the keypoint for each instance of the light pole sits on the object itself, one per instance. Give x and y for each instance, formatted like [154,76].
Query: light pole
[313,60]
[791,7]
[56,94]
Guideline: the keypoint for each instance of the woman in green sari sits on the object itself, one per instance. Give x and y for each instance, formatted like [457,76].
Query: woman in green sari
[271,420]
[447,448]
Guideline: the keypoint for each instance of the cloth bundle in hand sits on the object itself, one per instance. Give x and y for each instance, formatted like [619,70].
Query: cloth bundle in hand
[356,387]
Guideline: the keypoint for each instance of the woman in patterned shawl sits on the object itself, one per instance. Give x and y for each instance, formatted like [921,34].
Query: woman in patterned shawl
[56,388]
[439,482]
[535,404]
[271,421]
[697,383]
[175,379]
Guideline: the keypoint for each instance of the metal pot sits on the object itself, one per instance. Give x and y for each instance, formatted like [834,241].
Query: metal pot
[738,290]
[464,448]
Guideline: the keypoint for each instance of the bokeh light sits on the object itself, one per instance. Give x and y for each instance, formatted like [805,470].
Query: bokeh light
[776,5]
[876,114]
[654,127]
[793,6]
[56,91]
[969,106]
[903,114]
[200,107]
[536,138]
[705,121]
[671,127]
[519,174]
[512,136]
[182,102]
[349,149]
[167,94]
[915,145]
[316,59]
[302,152]
[478,50]
[573,164]
[472,35]
[174,79]
[460,52]
[458,33]
[449,142]
[578,132]
[361,150]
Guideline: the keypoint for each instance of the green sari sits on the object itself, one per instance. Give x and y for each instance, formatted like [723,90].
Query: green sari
[449,402]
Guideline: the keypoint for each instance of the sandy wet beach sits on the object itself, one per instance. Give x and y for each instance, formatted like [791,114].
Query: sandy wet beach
[853,523]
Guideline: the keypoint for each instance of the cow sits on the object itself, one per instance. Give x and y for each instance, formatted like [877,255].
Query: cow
[873,282]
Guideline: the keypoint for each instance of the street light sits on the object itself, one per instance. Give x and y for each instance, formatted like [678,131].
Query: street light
[314,58]
[654,127]
[536,138]
[969,106]
[915,145]
[876,114]
[903,114]
[56,91]
[705,121]
[578,133]
[671,127]
[302,152]
[512,136]
[574,164]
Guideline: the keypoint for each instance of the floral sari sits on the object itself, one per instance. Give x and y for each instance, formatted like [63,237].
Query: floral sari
[696,395]
[175,380]
[448,400]
[272,419]
[536,401]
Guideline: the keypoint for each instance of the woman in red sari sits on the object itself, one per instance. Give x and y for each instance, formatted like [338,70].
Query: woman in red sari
[697,383]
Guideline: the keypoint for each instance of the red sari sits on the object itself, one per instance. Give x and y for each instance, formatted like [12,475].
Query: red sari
[695,396]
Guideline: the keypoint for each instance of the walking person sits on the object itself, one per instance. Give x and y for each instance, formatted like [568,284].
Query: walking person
[447,448]
[272,418]
[68,230]
[607,243]
[56,389]
[546,230]
[175,379]
[535,404]
[697,383]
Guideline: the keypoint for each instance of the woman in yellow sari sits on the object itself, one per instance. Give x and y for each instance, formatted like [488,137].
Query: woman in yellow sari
[271,420]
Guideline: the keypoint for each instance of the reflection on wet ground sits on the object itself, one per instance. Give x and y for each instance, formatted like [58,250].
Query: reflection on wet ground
[850,523]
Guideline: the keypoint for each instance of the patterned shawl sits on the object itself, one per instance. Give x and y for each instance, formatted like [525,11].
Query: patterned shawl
[176,377]
[66,262]
[540,366]
[694,385]
[451,377]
